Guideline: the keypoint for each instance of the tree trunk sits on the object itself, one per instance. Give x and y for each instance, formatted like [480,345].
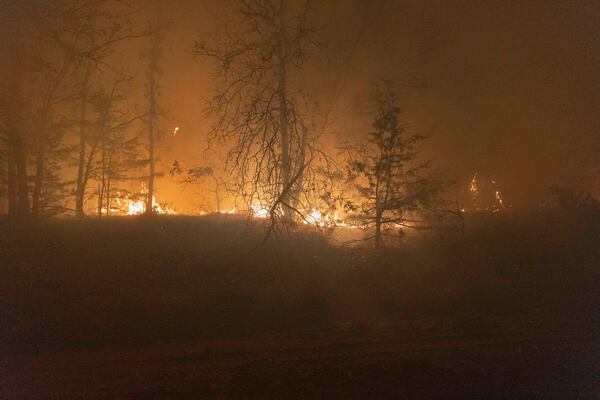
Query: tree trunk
[152,109]
[87,169]
[102,184]
[108,205]
[299,184]
[42,140]
[283,117]
[151,173]
[108,183]
[378,217]
[13,192]
[16,148]
[40,158]
[100,198]
[218,196]
[80,190]
[18,151]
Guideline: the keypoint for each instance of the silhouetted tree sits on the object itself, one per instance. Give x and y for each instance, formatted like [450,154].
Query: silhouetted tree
[15,98]
[103,23]
[392,184]
[153,73]
[115,146]
[257,105]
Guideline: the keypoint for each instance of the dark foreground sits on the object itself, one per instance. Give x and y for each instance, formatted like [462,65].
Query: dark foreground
[377,366]
[185,308]
[372,366]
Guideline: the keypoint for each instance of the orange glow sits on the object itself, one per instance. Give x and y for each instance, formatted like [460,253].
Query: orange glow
[138,207]
[127,205]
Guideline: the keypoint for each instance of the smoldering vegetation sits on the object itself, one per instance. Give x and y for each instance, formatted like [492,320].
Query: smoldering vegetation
[121,282]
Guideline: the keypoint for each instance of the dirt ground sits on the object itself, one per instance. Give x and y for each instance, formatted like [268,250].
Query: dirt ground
[331,366]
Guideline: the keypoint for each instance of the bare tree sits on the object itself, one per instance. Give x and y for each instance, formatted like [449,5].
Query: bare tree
[256,108]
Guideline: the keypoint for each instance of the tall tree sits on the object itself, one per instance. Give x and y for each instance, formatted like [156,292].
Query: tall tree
[14,101]
[153,73]
[104,24]
[256,106]
[55,64]
[116,146]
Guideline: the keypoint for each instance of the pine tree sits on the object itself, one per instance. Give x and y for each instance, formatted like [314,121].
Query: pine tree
[392,184]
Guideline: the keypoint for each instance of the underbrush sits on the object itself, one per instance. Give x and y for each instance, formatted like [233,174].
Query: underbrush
[68,283]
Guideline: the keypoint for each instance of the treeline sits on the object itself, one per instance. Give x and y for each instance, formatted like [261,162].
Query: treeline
[70,135]
[68,131]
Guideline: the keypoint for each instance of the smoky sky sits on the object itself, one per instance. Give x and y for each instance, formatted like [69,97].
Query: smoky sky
[507,88]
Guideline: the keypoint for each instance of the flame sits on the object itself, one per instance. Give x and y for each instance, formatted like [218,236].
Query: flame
[316,217]
[259,210]
[320,218]
[138,206]
[261,213]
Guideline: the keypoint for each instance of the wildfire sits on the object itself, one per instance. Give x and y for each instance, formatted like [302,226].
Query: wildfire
[137,205]
[319,218]
[258,210]
[315,218]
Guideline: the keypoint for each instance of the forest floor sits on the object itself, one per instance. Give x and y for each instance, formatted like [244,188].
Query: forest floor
[189,308]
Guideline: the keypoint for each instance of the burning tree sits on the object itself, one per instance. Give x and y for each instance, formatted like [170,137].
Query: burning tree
[391,184]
